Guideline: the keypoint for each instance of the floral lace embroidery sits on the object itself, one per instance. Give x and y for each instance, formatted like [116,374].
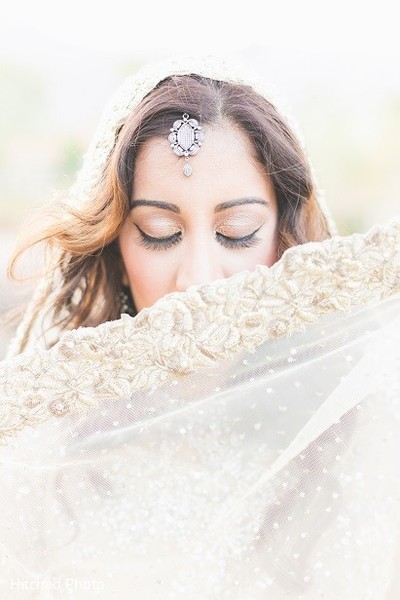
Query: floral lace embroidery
[186,331]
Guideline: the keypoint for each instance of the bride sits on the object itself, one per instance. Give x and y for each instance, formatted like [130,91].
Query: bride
[139,227]
[202,398]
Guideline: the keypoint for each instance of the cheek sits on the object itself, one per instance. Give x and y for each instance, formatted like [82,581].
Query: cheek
[263,253]
[148,282]
[270,248]
[248,259]
[270,244]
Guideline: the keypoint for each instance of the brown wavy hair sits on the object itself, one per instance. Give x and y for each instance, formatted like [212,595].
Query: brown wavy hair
[86,278]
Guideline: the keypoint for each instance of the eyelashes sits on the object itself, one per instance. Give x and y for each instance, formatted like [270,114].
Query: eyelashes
[164,243]
[247,241]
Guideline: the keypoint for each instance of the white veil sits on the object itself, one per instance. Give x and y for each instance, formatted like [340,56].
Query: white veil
[239,440]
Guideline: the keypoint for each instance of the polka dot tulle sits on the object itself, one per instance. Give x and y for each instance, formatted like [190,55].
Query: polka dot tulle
[269,473]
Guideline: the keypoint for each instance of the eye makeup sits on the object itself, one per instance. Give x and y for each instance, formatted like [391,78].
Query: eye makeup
[164,243]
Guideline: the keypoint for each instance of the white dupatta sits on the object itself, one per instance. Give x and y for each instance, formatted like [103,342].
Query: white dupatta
[239,440]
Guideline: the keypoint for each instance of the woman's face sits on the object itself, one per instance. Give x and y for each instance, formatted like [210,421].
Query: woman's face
[184,231]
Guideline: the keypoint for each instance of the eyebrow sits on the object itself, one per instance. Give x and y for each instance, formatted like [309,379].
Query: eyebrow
[174,208]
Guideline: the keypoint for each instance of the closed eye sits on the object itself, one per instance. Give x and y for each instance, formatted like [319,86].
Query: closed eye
[246,241]
[164,243]
[159,243]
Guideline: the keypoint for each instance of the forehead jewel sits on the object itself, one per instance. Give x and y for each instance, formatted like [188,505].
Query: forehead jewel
[186,138]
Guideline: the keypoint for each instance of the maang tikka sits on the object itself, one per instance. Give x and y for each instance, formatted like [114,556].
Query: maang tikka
[185,138]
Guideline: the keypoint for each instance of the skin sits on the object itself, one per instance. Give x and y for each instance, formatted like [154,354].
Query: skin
[192,225]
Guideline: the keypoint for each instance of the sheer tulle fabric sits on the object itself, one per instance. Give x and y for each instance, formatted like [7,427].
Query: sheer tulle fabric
[238,441]
[272,475]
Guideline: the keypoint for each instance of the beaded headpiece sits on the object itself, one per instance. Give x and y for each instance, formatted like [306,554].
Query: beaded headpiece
[185,139]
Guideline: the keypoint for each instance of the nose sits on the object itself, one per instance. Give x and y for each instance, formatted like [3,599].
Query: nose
[199,265]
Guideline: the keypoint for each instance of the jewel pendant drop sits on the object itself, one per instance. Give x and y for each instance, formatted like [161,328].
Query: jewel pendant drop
[185,138]
[187,170]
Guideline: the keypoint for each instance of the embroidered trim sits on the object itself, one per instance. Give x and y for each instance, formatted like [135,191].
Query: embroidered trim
[187,331]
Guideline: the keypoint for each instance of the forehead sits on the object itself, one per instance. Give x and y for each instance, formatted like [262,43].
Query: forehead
[225,162]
